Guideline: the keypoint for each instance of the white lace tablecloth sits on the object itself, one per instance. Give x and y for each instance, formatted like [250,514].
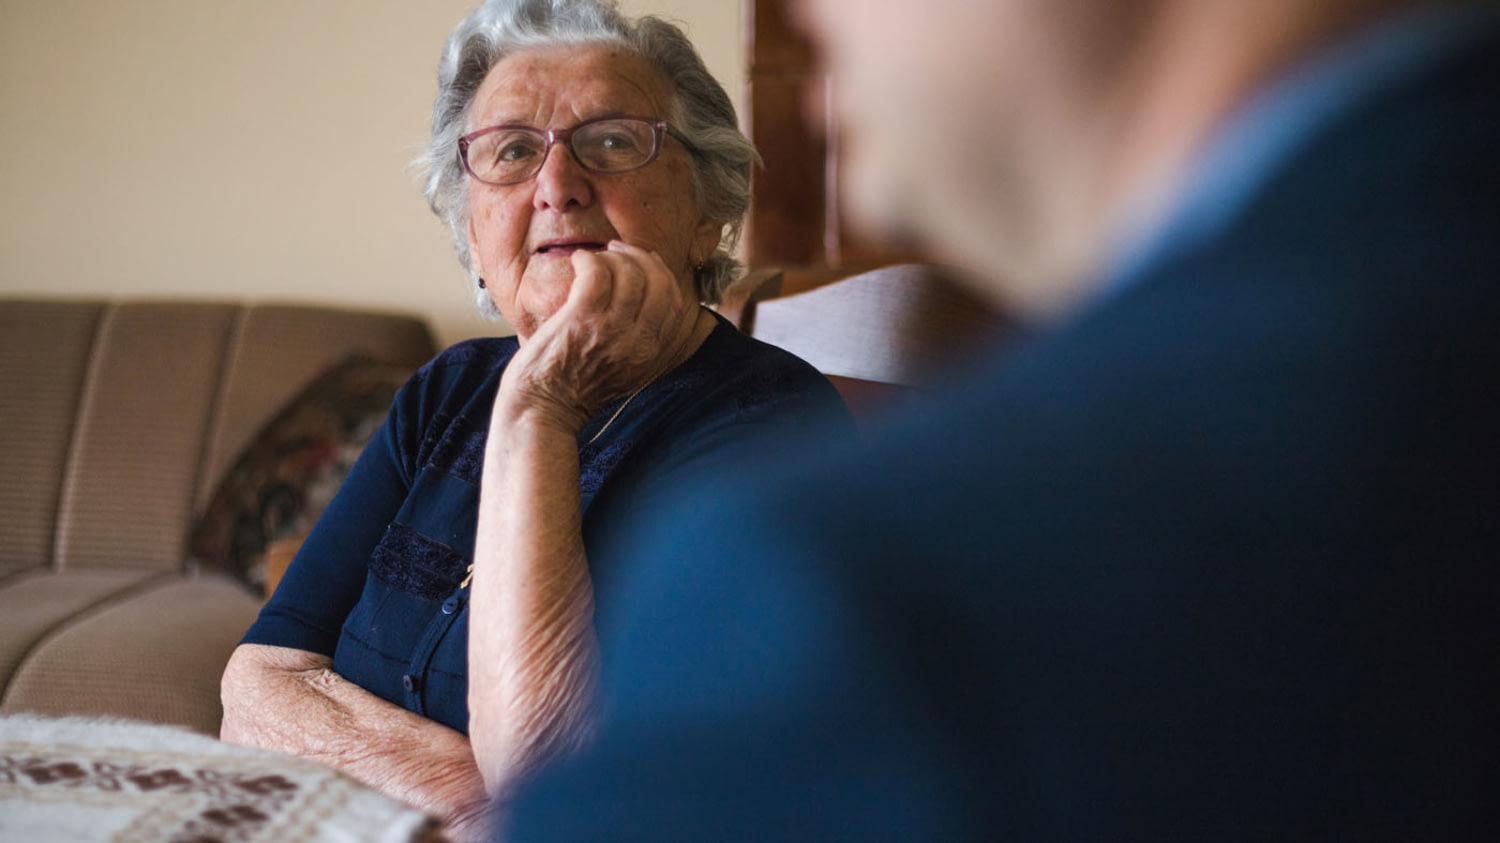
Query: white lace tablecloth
[87,779]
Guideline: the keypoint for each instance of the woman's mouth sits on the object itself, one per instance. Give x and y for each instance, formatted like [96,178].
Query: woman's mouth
[566,248]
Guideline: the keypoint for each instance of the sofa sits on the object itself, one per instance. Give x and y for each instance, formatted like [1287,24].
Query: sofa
[127,436]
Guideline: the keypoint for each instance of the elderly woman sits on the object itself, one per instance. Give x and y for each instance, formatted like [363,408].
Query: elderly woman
[434,636]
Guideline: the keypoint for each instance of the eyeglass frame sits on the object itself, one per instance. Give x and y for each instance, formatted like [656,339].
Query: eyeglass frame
[659,127]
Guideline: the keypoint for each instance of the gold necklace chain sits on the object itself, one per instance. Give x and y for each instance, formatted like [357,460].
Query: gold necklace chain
[626,403]
[620,410]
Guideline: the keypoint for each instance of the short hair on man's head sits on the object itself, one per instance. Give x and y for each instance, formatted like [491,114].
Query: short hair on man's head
[700,110]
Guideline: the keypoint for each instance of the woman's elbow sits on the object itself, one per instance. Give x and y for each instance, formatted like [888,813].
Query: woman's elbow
[248,689]
[236,687]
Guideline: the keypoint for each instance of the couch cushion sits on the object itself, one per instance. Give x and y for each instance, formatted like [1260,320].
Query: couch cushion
[44,353]
[142,429]
[35,605]
[154,654]
[120,419]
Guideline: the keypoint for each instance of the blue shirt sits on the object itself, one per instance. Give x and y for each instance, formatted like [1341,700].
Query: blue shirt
[1268,132]
[377,583]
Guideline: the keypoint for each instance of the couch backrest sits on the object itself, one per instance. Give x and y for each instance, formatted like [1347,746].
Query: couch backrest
[118,419]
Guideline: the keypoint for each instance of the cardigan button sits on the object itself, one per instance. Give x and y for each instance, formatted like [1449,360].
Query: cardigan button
[451,605]
[410,682]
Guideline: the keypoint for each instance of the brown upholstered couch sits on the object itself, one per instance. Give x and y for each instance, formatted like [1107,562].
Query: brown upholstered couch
[117,423]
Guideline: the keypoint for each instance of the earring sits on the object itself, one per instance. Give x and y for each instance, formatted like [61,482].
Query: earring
[481,282]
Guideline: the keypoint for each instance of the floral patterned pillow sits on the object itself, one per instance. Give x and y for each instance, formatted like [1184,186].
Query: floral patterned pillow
[290,471]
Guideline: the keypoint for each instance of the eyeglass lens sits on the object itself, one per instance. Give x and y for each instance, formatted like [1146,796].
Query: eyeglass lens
[510,155]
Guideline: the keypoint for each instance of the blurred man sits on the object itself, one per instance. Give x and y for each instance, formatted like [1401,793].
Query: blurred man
[1213,556]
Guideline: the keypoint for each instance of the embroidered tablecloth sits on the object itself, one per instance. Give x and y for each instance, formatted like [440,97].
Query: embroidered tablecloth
[89,779]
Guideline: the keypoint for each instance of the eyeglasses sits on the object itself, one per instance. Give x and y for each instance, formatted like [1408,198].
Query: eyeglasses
[503,155]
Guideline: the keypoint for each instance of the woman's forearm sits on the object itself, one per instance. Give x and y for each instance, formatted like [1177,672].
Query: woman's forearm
[291,701]
[532,650]
[533,657]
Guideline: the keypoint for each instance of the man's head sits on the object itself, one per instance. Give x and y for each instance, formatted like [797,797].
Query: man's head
[1013,137]
[958,116]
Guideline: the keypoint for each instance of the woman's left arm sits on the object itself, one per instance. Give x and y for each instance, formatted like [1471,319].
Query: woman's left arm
[533,657]
[291,701]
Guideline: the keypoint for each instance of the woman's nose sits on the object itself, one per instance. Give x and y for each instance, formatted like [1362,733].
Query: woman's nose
[562,182]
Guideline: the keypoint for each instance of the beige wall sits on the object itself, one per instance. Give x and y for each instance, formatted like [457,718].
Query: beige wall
[217,148]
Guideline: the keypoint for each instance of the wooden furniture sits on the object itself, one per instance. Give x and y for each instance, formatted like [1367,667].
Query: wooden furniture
[798,220]
[279,556]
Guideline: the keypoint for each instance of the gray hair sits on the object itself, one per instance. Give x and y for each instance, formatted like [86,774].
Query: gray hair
[700,110]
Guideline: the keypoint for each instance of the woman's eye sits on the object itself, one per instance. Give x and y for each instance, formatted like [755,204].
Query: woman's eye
[515,150]
[617,142]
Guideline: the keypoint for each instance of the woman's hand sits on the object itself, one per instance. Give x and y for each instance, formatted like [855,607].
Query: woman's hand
[627,320]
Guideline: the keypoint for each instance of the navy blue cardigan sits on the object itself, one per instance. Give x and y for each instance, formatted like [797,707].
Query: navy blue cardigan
[377,583]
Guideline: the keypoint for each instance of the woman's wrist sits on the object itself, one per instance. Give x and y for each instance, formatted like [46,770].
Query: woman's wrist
[515,414]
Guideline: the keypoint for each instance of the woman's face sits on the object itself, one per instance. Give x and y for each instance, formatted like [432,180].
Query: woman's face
[522,236]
